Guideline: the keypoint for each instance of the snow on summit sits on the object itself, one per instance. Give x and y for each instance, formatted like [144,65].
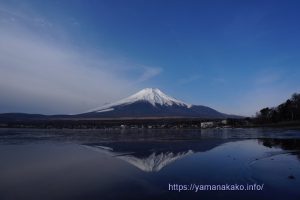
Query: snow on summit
[153,96]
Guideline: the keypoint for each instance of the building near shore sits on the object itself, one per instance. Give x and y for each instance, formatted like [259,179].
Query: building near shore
[208,124]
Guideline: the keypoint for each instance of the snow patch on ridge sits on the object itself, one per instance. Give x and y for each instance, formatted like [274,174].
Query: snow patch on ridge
[106,110]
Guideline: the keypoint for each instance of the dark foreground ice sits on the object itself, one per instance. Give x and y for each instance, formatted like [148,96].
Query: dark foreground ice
[142,164]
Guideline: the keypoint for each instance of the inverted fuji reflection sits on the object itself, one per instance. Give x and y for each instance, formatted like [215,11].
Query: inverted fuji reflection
[152,156]
[151,163]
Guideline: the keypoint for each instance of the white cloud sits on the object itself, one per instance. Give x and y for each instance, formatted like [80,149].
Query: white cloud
[148,73]
[39,75]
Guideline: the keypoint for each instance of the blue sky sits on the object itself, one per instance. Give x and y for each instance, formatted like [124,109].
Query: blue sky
[71,56]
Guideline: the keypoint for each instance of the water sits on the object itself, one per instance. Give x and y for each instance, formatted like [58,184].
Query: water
[145,164]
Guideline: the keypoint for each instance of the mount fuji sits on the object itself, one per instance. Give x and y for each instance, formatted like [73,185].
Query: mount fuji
[152,102]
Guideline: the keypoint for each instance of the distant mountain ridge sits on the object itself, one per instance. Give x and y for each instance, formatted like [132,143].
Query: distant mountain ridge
[149,102]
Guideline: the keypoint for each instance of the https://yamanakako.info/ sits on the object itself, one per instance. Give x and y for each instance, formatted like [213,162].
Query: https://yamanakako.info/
[215,187]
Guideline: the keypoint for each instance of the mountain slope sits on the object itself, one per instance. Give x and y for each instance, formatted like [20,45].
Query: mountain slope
[152,102]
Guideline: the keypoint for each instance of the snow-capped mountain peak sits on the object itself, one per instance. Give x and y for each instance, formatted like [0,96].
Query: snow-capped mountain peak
[151,95]
[155,96]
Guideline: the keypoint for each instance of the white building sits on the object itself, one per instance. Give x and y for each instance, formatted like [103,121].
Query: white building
[207,124]
[224,122]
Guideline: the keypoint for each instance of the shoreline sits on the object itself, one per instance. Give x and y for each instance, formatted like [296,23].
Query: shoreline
[157,129]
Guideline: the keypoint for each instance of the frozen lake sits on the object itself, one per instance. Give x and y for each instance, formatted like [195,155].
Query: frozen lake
[148,164]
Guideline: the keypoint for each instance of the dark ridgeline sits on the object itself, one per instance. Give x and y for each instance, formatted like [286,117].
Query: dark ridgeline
[288,111]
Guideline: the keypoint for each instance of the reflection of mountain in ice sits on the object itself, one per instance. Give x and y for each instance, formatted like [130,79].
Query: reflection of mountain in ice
[153,155]
[151,163]
[155,162]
